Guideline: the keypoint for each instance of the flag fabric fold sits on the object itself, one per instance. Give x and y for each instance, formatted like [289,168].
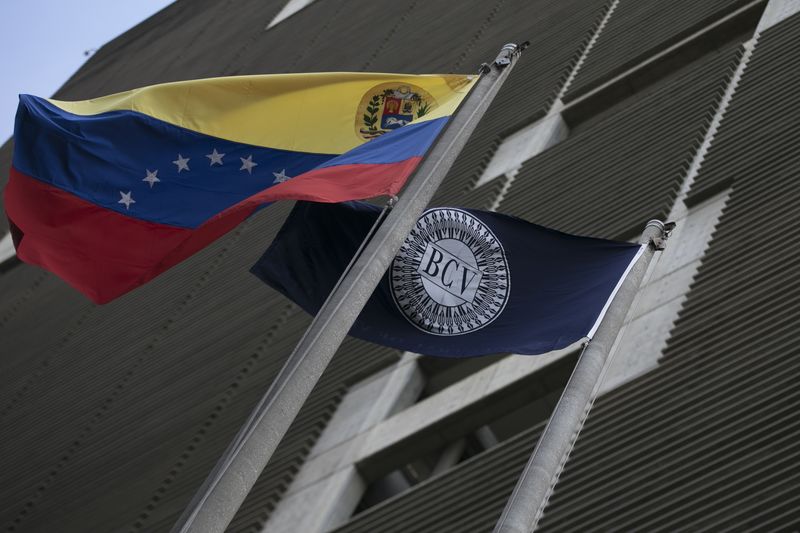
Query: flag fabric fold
[108,193]
[464,283]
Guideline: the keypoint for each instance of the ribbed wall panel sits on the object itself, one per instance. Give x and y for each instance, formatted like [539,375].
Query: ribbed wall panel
[482,197]
[6,151]
[96,371]
[418,30]
[201,38]
[466,498]
[626,166]
[754,116]
[638,29]
[31,342]
[172,374]
[361,26]
[355,361]
[558,31]
[709,440]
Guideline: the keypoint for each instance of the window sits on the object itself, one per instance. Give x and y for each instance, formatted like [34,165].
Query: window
[479,426]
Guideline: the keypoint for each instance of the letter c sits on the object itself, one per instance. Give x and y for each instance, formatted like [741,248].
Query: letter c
[446,283]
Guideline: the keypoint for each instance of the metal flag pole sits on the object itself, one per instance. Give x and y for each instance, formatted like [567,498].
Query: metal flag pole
[216,502]
[526,504]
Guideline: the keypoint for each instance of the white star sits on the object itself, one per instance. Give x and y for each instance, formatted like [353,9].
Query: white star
[247,164]
[151,178]
[126,199]
[215,157]
[182,162]
[281,176]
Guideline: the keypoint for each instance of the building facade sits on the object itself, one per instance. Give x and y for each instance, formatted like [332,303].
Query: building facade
[618,112]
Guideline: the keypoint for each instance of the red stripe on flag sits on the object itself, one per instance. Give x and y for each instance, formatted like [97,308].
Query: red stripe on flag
[105,254]
[344,182]
[99,252]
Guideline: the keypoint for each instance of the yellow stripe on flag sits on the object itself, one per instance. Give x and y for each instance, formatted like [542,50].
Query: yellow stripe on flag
[319,113]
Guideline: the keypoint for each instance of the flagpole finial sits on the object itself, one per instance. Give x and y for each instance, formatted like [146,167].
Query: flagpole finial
[508,53]
[657,233]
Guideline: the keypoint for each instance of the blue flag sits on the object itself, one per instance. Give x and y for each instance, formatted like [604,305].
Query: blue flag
[464,283]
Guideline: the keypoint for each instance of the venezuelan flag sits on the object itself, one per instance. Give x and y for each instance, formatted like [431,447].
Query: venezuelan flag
[110,192]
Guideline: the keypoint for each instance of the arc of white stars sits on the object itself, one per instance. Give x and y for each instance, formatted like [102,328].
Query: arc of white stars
[281,176]
[126,199]
[248,164]
[151,178]
[182,162]
[215,157]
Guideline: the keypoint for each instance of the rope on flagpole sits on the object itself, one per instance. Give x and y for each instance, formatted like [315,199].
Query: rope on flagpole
[390,203]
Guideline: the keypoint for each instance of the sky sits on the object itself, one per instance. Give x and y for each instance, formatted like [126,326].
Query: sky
[42,43]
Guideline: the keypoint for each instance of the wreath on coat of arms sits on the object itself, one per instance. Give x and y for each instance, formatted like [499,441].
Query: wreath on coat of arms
[389,106]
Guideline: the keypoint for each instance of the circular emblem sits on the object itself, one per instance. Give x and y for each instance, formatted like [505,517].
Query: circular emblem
[389,106]
[451,276]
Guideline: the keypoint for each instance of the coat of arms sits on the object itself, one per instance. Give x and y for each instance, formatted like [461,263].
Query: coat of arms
[450,276]
[390,106]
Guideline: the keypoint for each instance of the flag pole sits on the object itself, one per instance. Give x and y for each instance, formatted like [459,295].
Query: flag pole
[217,500]
[535,485]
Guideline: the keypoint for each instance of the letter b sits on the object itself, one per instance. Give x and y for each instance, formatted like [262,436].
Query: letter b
[433,262]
